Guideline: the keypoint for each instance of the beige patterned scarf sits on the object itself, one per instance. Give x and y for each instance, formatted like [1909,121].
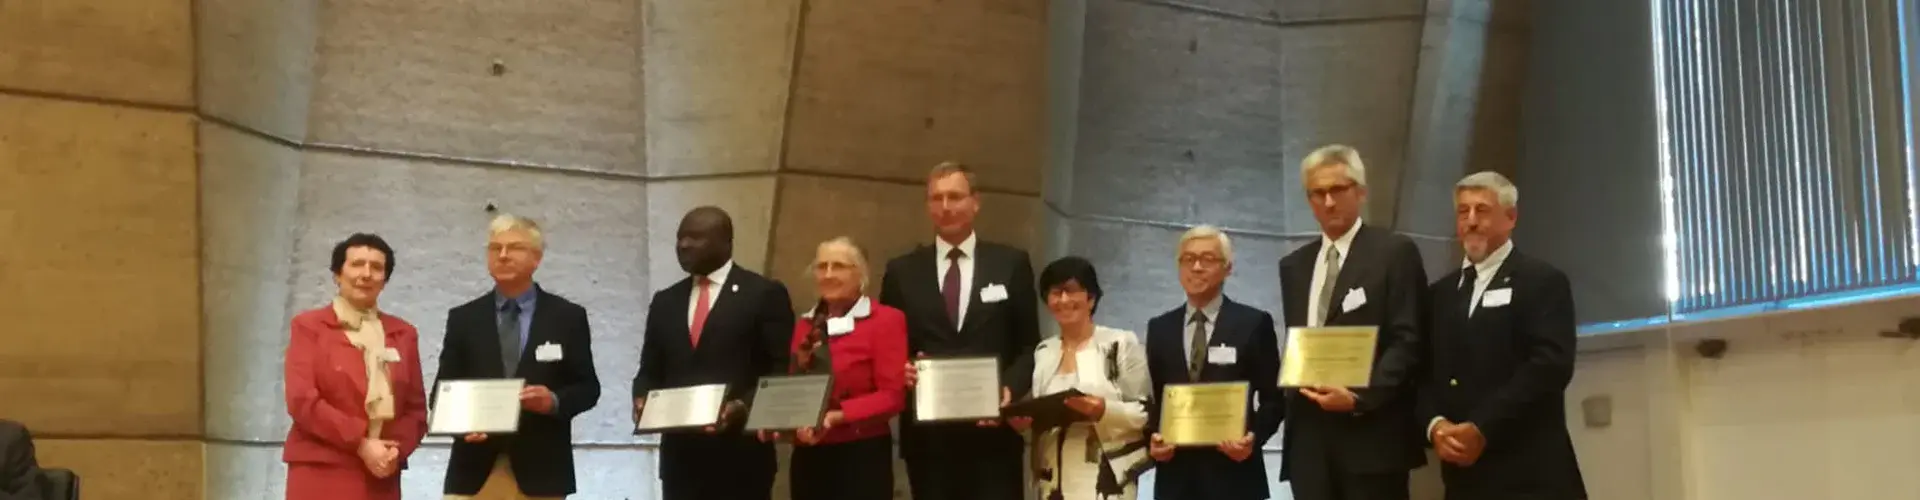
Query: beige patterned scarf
[364,330]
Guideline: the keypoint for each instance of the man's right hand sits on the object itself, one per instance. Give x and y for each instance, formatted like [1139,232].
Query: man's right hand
[639,405]
[1159,449]
[475,437]
[1238,449]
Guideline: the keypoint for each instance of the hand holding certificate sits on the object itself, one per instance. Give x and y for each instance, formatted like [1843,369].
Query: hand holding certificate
[953,389]
[1328,357]
[684,408]
[476,406]
[1203,414]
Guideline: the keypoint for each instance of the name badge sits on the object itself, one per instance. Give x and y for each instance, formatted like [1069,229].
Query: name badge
[547,353]
[391,355]
[993,293]
[1497,297]
[1222,355]
[840,326]
[1355,298]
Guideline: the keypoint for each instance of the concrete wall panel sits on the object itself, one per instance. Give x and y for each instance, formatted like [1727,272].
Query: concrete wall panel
[249,198]
[110,331]
[126,50]
[716,84]
[417,77]
[113,468]
[1181,119]
[890,88]
[256,62]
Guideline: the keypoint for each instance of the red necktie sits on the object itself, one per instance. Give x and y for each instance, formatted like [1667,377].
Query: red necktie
[950,286]
[700,308]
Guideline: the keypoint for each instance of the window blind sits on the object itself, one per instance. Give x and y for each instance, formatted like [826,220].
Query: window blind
[1786,140]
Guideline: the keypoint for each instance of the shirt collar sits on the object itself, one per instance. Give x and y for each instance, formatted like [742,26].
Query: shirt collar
[1493,261]
[349,316]
[966,246]
[719,276]
[1344,242]
[526,299]
[861,309]
[1212,309]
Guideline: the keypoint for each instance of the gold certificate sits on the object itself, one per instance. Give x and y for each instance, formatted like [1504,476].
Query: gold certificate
[1203,414]
[1335,356]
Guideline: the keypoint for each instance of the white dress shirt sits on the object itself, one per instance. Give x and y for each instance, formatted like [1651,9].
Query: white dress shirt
[1345,244]
[1212,312]
[1483,273]
[716,279]
[941,248]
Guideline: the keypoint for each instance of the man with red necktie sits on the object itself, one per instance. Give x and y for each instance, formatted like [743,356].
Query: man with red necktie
[722,324]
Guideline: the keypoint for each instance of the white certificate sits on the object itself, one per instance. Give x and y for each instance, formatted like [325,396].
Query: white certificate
[469,406]
[681,408]
[957,389]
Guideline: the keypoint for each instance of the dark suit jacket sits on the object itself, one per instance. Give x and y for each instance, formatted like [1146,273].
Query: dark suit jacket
[745,338]
[1374,438]
[542,451]
[1206,473]
[1007,329]
[1506,369]
[19,471]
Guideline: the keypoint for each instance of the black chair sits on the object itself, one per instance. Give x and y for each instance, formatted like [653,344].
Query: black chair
[60,484]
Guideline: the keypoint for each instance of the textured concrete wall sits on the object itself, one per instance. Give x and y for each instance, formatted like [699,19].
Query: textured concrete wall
[99,252]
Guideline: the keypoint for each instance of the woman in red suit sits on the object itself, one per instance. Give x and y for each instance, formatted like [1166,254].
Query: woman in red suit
[864,345]
[353,386]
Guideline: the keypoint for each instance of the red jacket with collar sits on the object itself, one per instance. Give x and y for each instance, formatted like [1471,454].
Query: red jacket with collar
[326,381]
[869,371]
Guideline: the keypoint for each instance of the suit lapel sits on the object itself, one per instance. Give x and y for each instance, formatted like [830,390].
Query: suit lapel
[1357,252]
[1299,295]
[486,341]
[537,330]
[983,274]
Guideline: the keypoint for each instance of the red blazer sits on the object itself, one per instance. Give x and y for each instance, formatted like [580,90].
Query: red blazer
[327,391]
[869,371]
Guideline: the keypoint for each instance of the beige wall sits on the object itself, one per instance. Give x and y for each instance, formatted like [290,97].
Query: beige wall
[98,247]
[1805,404]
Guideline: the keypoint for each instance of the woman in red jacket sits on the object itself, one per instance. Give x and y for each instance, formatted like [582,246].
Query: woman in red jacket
[353,386]
[864,345]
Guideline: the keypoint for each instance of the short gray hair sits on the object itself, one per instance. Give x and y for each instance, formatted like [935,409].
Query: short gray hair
[1205,232]
[509,222]
[859,256]
[950,167]
[1502,188]
[1335,154]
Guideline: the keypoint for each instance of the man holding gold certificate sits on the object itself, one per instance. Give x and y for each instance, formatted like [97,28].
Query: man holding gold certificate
[1352,443]
[1212,340]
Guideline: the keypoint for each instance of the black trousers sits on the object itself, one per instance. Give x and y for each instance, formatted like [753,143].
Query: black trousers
[854,470]
[723,467]
[967,463]
[1345,486]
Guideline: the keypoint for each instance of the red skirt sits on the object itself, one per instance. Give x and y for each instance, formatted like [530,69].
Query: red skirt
[337,482]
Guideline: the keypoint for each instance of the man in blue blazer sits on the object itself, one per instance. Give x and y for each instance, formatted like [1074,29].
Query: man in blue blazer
[1212,339]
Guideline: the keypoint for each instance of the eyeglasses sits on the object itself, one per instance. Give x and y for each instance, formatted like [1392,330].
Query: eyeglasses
[1206,261]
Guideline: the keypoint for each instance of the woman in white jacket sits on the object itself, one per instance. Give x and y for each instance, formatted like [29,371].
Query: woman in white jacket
[1100,456]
